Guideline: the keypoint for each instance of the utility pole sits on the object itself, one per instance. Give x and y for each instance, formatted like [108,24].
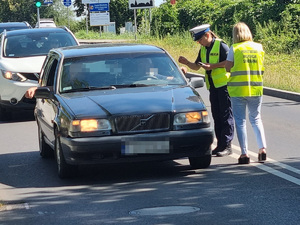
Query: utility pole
[135,25]
[87,19]
[38,4]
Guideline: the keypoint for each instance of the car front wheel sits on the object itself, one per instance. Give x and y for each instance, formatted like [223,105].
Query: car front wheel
[200,162]
[65,170]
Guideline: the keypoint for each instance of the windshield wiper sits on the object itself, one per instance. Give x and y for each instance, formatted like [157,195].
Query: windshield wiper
[141,85]
[109,87]
[103,87]
[90,88]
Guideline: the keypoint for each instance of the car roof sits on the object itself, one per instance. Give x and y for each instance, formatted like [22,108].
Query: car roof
[14,24]
[46,21]
[115,48]
[36,30]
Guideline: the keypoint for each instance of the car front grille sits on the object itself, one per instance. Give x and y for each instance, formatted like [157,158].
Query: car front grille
[142,123]
[31,76]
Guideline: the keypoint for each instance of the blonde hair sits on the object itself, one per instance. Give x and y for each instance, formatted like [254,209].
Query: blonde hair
[241,32]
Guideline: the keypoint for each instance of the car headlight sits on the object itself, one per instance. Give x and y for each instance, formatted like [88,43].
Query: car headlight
[191,118]
[13,76]
[90,125]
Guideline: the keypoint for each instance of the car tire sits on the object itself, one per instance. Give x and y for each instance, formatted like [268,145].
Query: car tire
[64,169]
[45,150]
[200,162]
[5,114]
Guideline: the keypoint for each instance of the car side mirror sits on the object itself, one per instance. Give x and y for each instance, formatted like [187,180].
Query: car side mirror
[197,82]
[43,92]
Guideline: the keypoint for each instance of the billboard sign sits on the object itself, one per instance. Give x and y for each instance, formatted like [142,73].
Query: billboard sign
[99,19]
[141,4]
[98,7]
[94,1]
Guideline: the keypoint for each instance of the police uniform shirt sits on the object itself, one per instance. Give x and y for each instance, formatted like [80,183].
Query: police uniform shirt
[223,56]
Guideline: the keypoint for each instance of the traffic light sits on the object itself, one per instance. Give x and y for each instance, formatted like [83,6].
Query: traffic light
[38,4]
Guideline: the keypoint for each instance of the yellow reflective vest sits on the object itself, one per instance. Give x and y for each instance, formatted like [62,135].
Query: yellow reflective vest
[218,75]
[246,78]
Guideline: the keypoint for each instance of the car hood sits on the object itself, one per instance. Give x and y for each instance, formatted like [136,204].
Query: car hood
[23,64]
[133,101]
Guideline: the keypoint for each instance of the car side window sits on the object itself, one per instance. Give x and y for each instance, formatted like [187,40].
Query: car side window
[48,78]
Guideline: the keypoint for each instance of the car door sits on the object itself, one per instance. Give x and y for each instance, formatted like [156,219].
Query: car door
[46,109]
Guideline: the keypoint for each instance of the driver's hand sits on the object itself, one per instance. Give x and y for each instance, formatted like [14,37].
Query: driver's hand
[30,92]
[184,69]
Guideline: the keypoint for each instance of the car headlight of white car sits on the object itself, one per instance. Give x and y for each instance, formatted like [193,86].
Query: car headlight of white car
[13,76]
[190,120]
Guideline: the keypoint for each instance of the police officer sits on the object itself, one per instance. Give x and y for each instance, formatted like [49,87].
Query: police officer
[245,86]
[212,57]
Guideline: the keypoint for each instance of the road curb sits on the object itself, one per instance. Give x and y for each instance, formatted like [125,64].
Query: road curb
[293,96]
[100,41]
[288,95]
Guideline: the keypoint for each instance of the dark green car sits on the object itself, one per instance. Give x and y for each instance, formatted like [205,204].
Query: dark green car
[115,103]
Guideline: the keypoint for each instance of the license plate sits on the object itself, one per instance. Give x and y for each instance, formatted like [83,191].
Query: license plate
[145,147]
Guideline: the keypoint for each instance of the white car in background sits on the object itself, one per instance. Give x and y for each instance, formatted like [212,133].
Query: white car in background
[44,23]
[22,54]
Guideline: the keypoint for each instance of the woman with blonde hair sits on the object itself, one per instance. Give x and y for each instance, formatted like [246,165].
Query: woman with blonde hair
[245,87]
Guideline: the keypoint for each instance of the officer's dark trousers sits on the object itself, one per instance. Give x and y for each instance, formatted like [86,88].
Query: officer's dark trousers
[222,115]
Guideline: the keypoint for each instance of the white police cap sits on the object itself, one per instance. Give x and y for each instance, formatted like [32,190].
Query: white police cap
[199,31]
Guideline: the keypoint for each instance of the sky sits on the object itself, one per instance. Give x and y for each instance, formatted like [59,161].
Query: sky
[158,2]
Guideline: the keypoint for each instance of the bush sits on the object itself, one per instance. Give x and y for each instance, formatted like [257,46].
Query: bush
[274,23]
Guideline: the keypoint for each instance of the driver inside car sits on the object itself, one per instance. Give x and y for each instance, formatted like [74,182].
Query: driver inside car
[73,77]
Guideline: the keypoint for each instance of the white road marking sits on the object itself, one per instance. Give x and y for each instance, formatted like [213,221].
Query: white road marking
[274,162]
[279,174]
[268,169]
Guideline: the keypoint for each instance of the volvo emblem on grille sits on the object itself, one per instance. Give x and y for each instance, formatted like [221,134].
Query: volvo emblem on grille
[143,122]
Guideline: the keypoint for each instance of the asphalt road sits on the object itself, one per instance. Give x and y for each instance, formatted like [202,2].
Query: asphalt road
[163,193]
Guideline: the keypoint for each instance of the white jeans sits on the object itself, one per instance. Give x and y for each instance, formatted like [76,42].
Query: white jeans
[239,105]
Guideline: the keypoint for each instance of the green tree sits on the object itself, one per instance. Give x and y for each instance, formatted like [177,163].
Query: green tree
[274,22]
[24,10]
[17,11]
[165,20]
[120,13]
[80,8]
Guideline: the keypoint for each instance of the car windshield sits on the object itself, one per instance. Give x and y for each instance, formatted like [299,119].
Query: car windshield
[34,44]
[118,71]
